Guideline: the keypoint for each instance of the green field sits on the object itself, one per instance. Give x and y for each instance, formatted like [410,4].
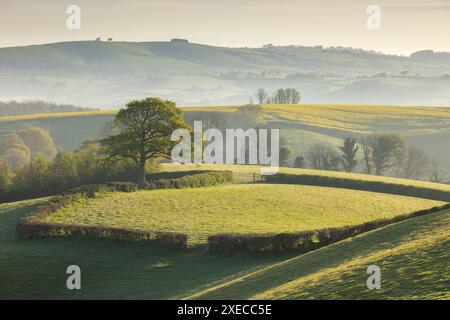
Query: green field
[351,118]
[256,209]
[301,125]
[413,254]
[413,257]
[245,173]
[110,270]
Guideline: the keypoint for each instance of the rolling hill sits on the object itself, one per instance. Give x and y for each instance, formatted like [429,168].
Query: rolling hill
[107,74]
[301,125]
[412,256]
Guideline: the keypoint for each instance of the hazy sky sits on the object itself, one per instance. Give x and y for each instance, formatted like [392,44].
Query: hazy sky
[406,25]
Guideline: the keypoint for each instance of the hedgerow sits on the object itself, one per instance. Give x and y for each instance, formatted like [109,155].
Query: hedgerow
[188,179]
[34,225]
[364,185]
[303,241]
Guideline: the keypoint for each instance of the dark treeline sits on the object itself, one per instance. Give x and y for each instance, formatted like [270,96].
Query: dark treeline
[14,108]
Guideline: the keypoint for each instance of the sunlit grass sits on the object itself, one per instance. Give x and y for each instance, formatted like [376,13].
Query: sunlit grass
[258,209]
[245,173]
[413,257]
[110,270]
[57,115]
[357,118]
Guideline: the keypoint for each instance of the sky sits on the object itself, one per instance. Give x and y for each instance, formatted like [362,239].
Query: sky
[406,26]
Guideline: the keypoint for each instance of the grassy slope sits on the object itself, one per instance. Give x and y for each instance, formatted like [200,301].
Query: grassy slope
[357,118]
[37,269]
[68,130]
[301,125]
[260,209]
[120,56]
[244,173]
[413,256]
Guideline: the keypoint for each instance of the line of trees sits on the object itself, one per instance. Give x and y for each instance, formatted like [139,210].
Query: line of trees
[280,96]
[379,154]
[14,108]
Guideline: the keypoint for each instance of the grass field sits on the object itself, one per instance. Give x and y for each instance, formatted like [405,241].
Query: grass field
[110,270]
[350,118]
[256,209]
[301,125]
[357,118]
[413,257]
[244,173]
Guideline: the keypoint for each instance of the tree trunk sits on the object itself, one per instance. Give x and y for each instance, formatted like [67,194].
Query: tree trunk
[141,177]
[378,171]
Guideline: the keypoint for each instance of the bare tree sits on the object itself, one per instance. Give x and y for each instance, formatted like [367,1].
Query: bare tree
[293,95]
[288,95]
[323,157]
[261,96]
[366,146]
[435,172]
[416,164]
[386,151]
[279,97]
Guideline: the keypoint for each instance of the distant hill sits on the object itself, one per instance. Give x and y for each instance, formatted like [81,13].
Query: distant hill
[108,74]
[430,56]
[14,108]
[131,59]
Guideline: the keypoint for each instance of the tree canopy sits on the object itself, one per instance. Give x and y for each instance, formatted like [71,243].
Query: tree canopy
[144,130]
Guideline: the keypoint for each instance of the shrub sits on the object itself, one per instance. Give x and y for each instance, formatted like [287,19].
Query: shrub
[122,186]
[88,191]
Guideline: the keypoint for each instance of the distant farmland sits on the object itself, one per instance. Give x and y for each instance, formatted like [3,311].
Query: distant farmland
[301,125]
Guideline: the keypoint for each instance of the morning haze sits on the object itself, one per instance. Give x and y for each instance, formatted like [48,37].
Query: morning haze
[407,26]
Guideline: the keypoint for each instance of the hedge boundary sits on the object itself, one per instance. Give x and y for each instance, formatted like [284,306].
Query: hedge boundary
[363,185]
[301,242]
[305,241]
[188,179]
[33,226]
